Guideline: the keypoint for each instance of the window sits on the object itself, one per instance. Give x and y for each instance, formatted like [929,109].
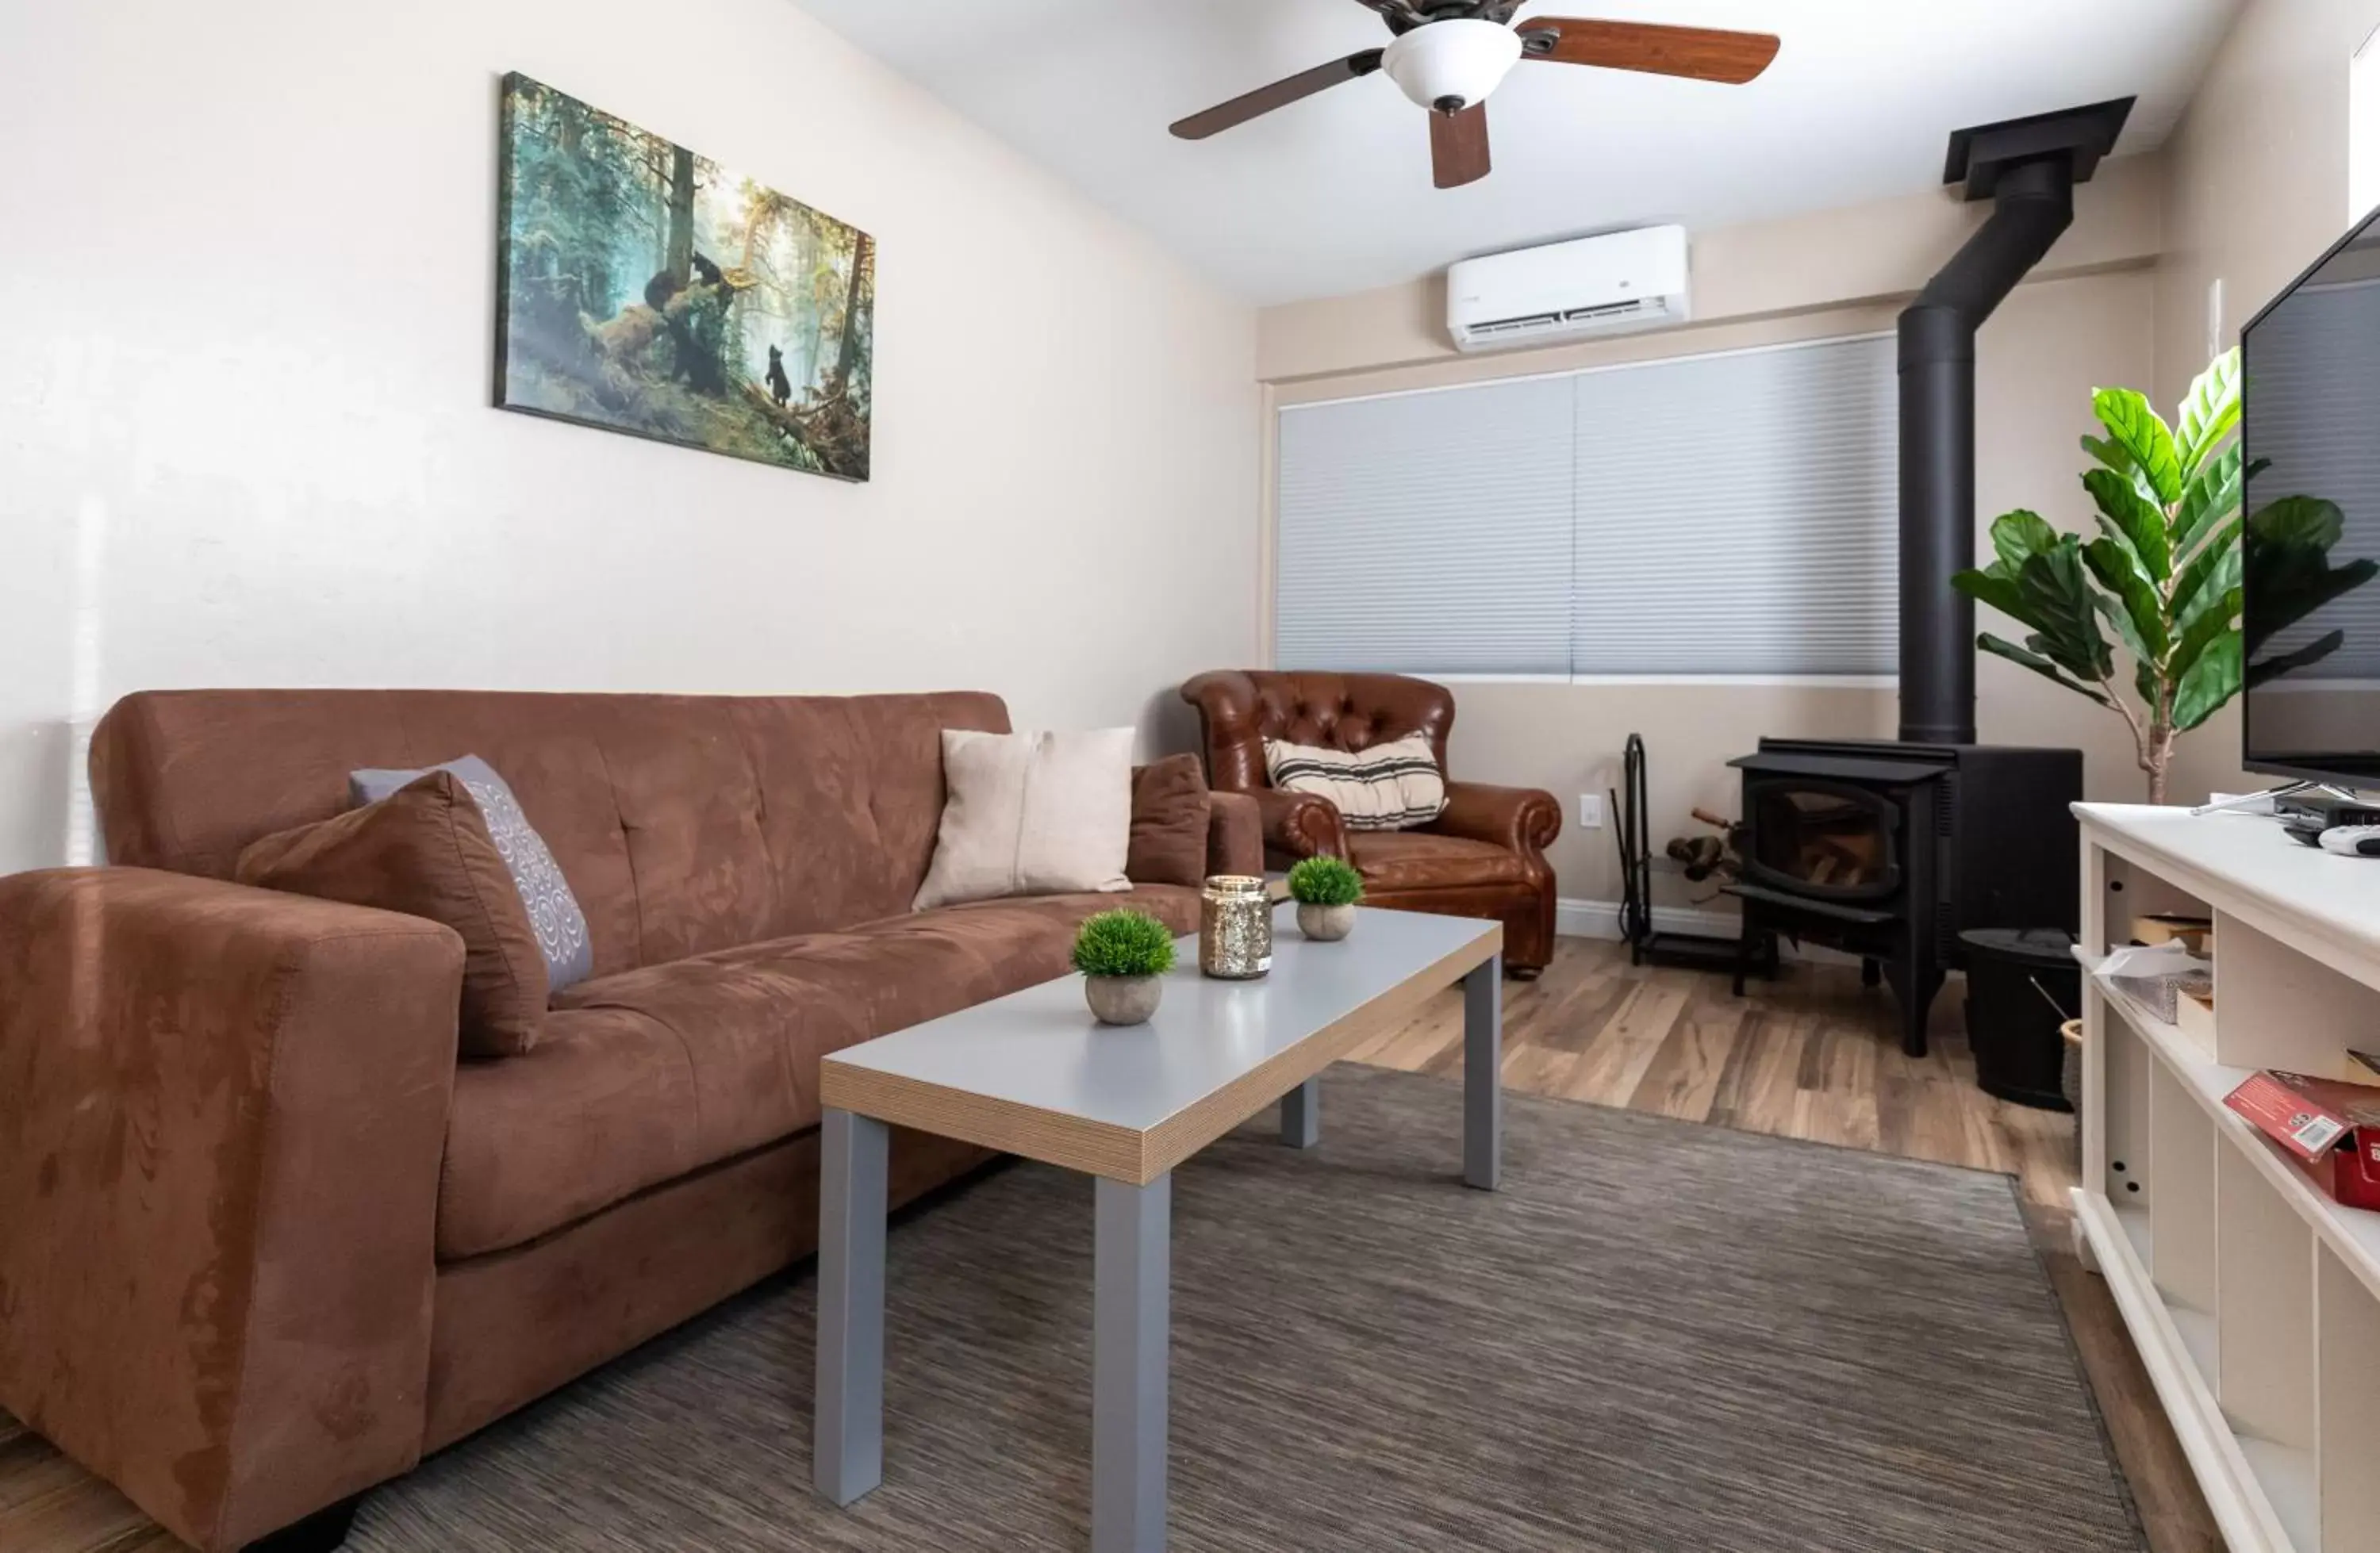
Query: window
[1428,532]
[1721,515]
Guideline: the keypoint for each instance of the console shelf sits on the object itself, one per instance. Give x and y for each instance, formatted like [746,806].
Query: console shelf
[2253,1297]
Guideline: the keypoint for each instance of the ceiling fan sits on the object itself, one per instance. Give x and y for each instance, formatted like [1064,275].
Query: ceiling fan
[1449,55]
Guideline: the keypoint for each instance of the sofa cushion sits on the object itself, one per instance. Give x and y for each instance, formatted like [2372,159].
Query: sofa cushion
[1409,860]
[648,1074]
[1169,812]
[1391,786]
[544,892]
[426,850]
[1031,814]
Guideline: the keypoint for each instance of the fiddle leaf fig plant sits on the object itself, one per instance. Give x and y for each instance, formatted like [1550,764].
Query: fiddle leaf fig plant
[2164,575]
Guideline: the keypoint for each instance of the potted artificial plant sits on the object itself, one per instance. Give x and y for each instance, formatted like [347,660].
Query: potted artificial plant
[1326,889]
[1123,956]
[2165,574]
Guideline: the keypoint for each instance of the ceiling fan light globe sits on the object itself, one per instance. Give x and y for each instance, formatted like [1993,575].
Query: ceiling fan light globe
[1462,58]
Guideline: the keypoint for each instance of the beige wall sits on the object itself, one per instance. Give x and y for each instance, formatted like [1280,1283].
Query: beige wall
[2255,189]
[244,425]
[1876,252]
[2086,319]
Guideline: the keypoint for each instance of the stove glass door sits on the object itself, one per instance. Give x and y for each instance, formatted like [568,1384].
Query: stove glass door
[1821,838]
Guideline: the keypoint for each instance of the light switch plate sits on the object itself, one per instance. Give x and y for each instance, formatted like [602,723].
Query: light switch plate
[1590,811]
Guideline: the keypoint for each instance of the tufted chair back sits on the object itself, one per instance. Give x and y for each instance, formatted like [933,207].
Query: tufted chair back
[1241,707]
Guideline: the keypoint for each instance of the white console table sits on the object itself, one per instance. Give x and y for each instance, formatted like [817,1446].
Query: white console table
[2255,1299]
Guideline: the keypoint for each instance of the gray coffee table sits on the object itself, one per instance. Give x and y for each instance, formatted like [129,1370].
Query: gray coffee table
[1032,1075]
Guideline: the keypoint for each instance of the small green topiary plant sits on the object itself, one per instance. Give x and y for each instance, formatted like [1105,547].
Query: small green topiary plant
[1326,881]
[1123,942]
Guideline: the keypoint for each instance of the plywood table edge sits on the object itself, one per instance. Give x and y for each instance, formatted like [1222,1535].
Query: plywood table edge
[1137,1156]
[1053,1137]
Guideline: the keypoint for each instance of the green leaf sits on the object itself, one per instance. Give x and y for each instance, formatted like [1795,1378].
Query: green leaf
[2208,411]
[2134,519]
[2035,661]
[2220,620]
[2288,663]
[1998,590]
[2211,680]
[2136,428]
[2212,496]
[2018,534]
[2211,574]
[2149,680]
[2120,622]
[2054,586]
[2139,618]
[2113,455]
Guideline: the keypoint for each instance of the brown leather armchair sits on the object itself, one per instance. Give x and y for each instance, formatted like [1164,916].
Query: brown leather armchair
[1484,857]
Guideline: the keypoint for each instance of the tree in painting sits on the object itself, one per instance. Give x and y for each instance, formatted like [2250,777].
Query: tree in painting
[651,290]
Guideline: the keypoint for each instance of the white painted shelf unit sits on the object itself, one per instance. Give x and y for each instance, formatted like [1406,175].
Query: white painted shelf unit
[2253,1297]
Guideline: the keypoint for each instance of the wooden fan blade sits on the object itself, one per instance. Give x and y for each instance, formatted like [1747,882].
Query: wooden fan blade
[1280,94]
[1701,53]
[1458,146]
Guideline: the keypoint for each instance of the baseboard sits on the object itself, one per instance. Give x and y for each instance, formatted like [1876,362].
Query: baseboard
[1600,919]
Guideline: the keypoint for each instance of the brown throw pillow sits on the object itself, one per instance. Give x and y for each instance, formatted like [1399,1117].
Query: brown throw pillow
[1168,823]
[425,851]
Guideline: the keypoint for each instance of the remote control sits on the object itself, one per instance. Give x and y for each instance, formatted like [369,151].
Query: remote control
[2353,841]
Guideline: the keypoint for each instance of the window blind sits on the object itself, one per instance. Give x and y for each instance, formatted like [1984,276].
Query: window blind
[1733,514]
[2313,421]
[1428,533]
[1738,515]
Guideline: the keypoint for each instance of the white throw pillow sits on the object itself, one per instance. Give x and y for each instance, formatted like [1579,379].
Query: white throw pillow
[1031,814]
[1391,786]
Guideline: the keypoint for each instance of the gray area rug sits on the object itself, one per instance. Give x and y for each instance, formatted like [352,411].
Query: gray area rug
[1658,1336]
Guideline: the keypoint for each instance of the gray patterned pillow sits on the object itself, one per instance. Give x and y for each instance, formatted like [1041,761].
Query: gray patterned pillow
[552,909]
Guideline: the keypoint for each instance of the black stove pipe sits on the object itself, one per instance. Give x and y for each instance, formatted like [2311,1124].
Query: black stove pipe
[2033,203]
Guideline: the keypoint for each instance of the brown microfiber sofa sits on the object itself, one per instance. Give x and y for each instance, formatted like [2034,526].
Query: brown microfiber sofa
[265,1241]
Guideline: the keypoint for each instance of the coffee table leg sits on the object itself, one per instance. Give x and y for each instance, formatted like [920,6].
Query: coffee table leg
[1483,1087]
[1130,1320]
[1301,1115]
[849,1432]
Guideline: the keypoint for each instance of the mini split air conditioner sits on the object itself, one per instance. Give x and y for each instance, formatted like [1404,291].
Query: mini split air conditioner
[1596,285]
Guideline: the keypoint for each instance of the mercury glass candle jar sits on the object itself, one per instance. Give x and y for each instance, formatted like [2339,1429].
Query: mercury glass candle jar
[1236,928]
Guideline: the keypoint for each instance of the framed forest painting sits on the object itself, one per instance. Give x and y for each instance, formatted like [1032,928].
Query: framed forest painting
[642,288]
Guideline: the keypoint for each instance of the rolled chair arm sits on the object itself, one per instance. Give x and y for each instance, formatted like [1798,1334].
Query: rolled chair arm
[1300,825]
[1524,819]
[221,1116]
[1235,837]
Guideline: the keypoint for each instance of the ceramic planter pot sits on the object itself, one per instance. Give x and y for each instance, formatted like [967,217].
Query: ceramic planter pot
[1325,924]
[1122,1000]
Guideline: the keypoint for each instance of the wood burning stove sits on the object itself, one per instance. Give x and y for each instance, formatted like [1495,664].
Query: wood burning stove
[1889,851]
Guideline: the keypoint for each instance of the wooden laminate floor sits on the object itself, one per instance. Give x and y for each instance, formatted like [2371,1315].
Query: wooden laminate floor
[1810,1056]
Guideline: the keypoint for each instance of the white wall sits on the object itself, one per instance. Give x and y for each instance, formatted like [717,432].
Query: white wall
[244,426]
[2256,186]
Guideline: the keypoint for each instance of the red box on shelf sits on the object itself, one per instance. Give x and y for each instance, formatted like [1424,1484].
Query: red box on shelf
[2332,1127]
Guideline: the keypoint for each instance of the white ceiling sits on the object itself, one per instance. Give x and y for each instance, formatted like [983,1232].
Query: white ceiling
[1334,194]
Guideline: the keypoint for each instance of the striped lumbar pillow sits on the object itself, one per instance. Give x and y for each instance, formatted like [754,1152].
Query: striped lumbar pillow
[1390,786]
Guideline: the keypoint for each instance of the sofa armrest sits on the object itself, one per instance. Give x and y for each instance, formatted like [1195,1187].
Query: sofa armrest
[1236,841]
[1300,825]
[1523,818]
[223,1111]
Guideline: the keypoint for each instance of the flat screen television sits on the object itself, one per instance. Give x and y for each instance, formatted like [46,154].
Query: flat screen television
[2309,434]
